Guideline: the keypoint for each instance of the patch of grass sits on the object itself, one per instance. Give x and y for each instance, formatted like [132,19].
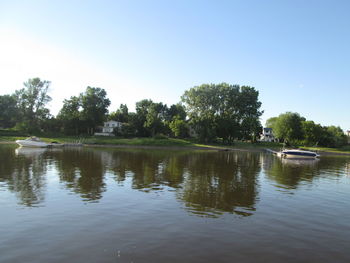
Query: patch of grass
[344,149]
[138,141]
[167,142]
[244,145]
[10,138]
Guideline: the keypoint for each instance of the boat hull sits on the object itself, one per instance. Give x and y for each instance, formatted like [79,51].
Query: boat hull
[26,143]
[298,155]
[291,156]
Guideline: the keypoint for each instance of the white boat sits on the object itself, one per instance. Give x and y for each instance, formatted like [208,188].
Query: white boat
[297,154]
[32,142]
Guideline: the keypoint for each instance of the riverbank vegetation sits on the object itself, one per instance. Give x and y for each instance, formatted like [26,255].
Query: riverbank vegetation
[142,141]
[210,114]
[161,142]
[293,129]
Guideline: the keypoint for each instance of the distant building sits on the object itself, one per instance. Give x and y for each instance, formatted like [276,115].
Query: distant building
[109,127]
[267,136]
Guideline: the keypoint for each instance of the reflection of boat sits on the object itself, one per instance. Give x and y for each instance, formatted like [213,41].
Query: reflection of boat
[30,152]
[32,142]
[300,161]
[297,154]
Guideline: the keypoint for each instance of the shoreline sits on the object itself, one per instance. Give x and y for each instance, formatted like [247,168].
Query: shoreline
[155,147]
[194,147]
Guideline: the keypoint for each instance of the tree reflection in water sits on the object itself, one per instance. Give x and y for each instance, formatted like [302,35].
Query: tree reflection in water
[291,173]
[221,182]
[206,183]
[209,183]
[24,171]
[82,171]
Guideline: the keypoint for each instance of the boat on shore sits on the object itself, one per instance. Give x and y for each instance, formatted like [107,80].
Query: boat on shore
[32,142]
[297,154]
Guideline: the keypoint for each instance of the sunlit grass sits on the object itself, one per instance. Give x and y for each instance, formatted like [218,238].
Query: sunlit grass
[344,149]
[168,142]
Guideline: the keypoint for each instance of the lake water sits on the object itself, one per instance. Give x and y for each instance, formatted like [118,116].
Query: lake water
[115,205]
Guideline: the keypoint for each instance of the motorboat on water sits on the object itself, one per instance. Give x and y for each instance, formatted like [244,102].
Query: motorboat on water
[32,142]
[297,154]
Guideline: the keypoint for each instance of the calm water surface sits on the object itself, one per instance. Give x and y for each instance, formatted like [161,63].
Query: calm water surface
[113,205]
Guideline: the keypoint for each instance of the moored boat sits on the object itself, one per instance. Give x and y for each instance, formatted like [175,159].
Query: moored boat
[32,142]
[296,154]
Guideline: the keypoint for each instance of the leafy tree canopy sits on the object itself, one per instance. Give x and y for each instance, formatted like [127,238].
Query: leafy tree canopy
[32,101]
[94,103]
[8,111]
[223,110]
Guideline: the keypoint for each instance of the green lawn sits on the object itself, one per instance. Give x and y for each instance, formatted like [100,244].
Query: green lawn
[101,140]
[344,149]
[168,142]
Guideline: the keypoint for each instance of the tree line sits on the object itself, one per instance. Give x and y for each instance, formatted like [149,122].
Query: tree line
[291,128]
[211,112]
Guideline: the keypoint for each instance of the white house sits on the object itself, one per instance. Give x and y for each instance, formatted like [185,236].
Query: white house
[267,136]
[109,127]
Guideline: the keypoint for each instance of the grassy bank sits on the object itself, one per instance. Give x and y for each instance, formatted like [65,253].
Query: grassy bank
[340,150]
[162,142]
[170,142]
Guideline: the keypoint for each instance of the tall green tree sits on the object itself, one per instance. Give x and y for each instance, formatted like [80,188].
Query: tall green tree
[202,106]
[178,127]
[94,103]
[121,114]
[223,110]
[249,113]
[140,118]
[288,127]
[156,113]
[175,121]
[31,103]
[312,133]
[8,111]
[271,122]
[334,137]
[176,110]
[70,115]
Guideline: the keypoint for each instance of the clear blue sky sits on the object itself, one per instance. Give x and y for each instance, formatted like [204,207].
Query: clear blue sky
[296,53]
